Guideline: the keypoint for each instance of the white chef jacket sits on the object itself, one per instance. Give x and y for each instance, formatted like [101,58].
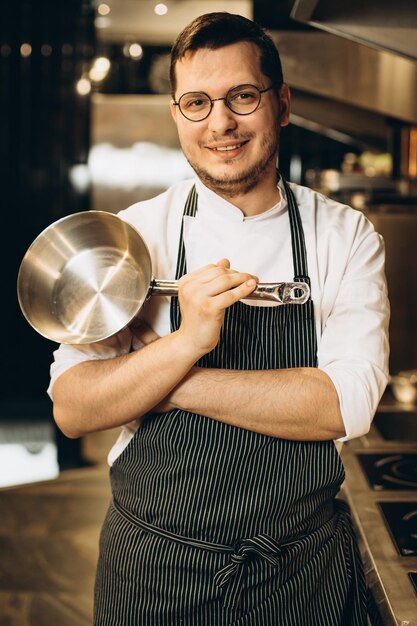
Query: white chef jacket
[345,264]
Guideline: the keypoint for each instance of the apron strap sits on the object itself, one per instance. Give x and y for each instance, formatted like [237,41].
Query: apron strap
[189,209]
[299,252]
[230,579]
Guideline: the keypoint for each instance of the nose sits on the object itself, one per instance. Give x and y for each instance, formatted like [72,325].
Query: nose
[221,118]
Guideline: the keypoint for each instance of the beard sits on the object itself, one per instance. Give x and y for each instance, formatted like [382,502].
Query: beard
[231,186]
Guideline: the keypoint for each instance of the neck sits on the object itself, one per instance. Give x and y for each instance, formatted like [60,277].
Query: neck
[253,200]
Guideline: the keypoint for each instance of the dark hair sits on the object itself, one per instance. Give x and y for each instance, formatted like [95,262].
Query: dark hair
[215,30]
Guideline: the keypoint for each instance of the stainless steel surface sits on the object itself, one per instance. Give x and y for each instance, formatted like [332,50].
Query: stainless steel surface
[381,23]
[280,293]
[386,570]
[86,277]
[163,288]
[344,71]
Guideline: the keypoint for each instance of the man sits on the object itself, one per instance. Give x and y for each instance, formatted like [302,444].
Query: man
[226,473]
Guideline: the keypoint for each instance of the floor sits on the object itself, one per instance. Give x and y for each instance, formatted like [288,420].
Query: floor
[49,534]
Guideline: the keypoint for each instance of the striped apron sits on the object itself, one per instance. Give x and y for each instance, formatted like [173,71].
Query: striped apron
[214,525]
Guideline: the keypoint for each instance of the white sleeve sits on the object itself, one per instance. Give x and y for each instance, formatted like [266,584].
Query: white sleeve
[67,356]
[354,346]
[158,220]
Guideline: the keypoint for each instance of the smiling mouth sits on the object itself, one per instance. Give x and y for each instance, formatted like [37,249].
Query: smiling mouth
[228,148]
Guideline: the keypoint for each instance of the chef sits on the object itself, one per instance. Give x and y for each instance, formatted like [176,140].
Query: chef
[226,473]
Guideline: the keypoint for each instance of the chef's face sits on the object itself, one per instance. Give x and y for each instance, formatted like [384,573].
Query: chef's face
[251,140]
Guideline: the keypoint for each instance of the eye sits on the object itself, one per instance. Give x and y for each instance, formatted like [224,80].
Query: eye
[194,102]
[245,95]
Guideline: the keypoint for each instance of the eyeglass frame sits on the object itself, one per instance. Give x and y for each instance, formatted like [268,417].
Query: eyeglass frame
[213,100]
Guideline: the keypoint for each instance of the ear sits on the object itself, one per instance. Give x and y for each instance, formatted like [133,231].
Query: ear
[173,110]
[284,105]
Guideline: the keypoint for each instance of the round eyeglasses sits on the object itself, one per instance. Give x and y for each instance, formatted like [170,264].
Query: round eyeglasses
[242,100]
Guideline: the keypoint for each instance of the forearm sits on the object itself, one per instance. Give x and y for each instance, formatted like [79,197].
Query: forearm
[298,404]
[97,395]
[102,394]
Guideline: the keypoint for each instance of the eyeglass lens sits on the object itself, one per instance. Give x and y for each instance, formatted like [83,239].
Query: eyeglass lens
[242,100]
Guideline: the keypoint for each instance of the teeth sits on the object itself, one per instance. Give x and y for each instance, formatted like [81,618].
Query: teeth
[224,148]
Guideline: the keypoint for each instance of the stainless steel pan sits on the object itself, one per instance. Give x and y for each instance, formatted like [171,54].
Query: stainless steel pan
[86,277]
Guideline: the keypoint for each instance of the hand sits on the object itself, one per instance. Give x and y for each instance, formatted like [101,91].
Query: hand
[203,296]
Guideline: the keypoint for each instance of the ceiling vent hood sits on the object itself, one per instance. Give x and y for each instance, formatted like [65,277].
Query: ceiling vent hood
[382,24]
[350,86]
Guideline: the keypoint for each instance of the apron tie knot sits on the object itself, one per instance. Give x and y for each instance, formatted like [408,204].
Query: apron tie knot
[230,577]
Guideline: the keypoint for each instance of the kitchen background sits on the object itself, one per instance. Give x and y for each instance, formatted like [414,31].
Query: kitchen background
[85,124]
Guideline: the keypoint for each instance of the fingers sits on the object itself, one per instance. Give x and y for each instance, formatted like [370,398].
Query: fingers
[216,277]
[203,296]
[225,282]
[226,298]
[207,272]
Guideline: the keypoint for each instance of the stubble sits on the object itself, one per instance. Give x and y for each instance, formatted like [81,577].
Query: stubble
[231,186]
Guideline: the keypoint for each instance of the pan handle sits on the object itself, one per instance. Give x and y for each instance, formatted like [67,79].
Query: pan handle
[282,293]
[163,288]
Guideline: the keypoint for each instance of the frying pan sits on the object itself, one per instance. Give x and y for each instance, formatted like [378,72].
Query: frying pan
[87,275]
